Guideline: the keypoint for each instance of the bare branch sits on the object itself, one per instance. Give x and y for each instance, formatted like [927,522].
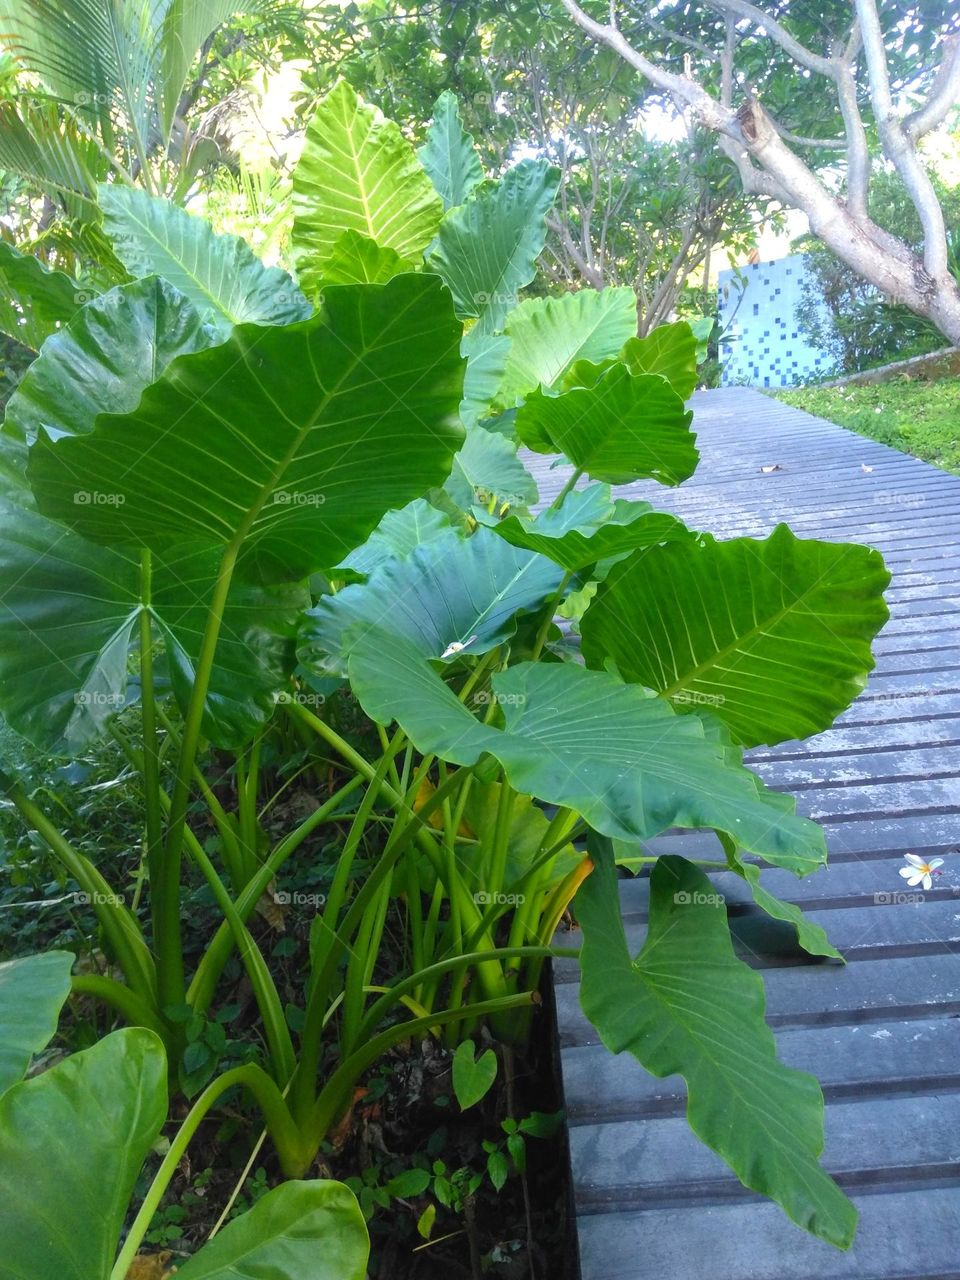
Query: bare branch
[899,149]
[799,52]
[831,144]
[944,93]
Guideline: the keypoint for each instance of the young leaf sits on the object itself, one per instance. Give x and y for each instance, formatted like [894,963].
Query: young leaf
[356,259]
[669,350]
[486,250]
[296,1230]
[625,427]
[33,990]
[487,466]
[687,1005]
[357,172]
[473,1077]
[449,156]
[220,274]
[300,469]
[63,1203]
[397,535]
[547,335]
[772,635]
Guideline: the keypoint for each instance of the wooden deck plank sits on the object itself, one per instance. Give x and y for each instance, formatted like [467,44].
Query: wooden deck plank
[883,1032]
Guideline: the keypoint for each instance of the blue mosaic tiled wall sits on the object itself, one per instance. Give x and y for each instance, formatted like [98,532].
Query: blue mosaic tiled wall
[762,344]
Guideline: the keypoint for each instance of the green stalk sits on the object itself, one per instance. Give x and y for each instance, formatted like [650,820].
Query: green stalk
[148,708]
[211,965]
[168,941]
[567,488]
[119,925]
[282,1131]
[134,1010]
[550,610]
[335,1094]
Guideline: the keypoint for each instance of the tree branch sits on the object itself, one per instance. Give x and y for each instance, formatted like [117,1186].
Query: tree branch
[797,51]
[944,93]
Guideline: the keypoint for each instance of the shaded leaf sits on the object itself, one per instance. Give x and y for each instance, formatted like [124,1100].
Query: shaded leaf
[486,250]
[687,1005]
[33,990]
[487,466]
[449,156]
[473,1076]
[34,301]
[397,535]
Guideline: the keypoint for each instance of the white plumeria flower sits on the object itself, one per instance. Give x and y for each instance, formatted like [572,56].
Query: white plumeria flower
[920,872]
[456,647]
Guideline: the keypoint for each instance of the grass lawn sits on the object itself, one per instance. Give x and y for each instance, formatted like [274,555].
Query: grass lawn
[922,418]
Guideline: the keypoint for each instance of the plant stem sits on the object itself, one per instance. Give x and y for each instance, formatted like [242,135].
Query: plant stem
[570,485]
[148,708]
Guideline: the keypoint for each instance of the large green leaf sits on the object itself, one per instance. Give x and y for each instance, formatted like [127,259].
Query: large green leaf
[449,156]
[397,535]
[772,635]
[103,359]
[451,591]
[669,350]
[294,440]
[34,301]
[586,740]
[486,356]
[686,1005]
[547,335]
[72,1141]
[297,1231]
[220,274]
[356,259]
[588,527]
[487,466]
[625,427]
[72,607]
[33,990]
[357,172]
[486,250]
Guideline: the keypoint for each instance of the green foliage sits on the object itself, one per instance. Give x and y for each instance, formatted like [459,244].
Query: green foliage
[34,301]
[449,156]
[238,473]
[764,1119]
[914,416]
[473,1076]
[32,991]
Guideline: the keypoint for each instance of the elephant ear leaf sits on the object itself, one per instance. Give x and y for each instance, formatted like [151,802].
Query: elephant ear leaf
[72,1141]
[773,634]
[625,427]
[687,1005]
[298,1229]
[486,250]
[293,472]
[449,156]
[34,301]
[220,274]
[357,172]
[33,990]
[669,351]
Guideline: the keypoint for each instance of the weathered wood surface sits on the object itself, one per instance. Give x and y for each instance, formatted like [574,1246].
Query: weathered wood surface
[883,1033]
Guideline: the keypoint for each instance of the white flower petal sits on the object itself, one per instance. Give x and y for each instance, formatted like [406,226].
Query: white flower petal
[915,879]
[906,872]
[935,862]
[927,882]
[914,859]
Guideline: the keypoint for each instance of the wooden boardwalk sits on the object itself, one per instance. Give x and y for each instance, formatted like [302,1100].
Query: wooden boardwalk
[883,1033]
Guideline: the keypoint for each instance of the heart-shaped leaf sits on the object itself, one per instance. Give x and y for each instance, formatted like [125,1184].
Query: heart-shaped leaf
[586,740]
[547,335]
[298,1231]
[486,250]
[687,1005]
[451,594]
[72,1141]
[772,635]
[625,427]
[33,990]
[473,1077]
[227,448]
[357,172]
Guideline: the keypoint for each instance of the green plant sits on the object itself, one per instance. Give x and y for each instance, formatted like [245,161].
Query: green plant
[232,476]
